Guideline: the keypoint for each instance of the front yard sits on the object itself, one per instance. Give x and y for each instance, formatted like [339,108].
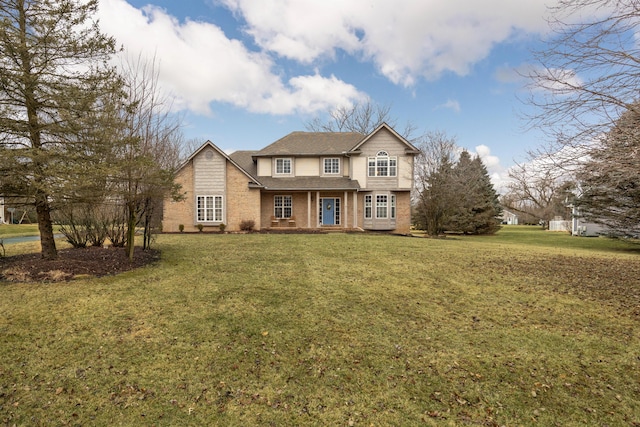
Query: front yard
[522,328]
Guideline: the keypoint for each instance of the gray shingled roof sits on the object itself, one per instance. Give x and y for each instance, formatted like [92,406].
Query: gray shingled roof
[244,159]
[308,183]
[312,144]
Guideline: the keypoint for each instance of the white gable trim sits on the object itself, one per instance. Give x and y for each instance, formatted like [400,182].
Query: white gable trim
[223,154]
[409,147]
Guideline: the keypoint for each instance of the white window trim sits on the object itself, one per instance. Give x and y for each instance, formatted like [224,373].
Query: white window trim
[386,206]
[324,165]
[374,162]
[368,204]
[283,206]
[213,201]
[392,200]
[283,159]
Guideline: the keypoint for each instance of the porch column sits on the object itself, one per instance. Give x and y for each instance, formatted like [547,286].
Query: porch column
[317,204]
[308,209]
[355,209]
[346,210]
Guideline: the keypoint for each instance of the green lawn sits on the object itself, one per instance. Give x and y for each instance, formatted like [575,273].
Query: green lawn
[15,230]
[522,328]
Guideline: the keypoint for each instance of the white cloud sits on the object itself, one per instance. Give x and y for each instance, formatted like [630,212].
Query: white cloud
[405,39]
[490,161]
[509,74]
[199,65]
[558,81]
[497,172]
[451,104]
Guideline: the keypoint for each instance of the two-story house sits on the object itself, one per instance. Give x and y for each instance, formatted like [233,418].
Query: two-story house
[308,180]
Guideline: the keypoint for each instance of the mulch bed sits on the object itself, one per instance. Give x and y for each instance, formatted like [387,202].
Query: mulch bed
[73,263]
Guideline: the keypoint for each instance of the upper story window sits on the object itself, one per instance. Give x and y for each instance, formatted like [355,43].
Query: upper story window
[283,166]
[383,165]
[331,166]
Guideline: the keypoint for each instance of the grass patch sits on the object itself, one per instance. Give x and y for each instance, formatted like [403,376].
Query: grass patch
[338,329]
[18,230]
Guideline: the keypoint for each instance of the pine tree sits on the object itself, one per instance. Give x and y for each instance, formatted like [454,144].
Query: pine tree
[610,179]
[475,207]
[54,86]
[486,206]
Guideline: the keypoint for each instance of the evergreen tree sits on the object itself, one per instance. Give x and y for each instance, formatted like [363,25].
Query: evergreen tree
[437,199]
[610,179]
[486,205]
[475,207]
[461,214]
[55,85]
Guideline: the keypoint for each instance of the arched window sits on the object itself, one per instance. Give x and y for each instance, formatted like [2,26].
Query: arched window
[383,164]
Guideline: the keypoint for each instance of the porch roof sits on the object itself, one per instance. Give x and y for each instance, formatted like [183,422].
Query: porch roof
[309,183]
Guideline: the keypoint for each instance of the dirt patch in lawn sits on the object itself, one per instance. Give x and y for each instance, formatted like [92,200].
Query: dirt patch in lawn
[73,263]
[608,281]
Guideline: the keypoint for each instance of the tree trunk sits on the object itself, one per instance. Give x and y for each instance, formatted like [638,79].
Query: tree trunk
[131,230]
[148,221]
[45,226]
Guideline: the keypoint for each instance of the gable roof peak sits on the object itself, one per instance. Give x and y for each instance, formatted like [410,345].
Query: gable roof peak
[409,147]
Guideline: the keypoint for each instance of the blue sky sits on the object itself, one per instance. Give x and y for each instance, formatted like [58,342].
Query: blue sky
[245,73]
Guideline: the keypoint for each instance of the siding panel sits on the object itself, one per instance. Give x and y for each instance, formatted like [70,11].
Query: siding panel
[209,170]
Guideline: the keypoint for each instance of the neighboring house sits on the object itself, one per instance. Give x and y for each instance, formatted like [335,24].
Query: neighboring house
[307,180]
[580,227]
[2,220]
[509,218]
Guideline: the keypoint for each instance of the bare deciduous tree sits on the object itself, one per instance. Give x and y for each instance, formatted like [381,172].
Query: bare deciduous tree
[361,117]
[151,153]
[585,89]
[433,198]
[538,190]
[588,73]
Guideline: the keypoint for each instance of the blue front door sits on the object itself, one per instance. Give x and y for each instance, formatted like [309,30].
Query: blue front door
[328,211]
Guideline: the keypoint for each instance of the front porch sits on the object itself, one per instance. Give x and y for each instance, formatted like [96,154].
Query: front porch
[310,210]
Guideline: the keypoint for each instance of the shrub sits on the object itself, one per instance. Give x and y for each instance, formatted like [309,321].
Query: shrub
[117,232]
[181,227]
[82,224]
[222,227]
[247,225]
[200,227]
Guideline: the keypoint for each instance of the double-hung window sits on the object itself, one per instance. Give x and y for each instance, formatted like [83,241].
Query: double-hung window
[283,166]
[331,166]
[381,205]
[209,208]
[382,165]
[367,206]
[282,206]
[393,206]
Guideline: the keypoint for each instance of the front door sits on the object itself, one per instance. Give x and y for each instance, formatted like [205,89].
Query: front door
[328,211]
